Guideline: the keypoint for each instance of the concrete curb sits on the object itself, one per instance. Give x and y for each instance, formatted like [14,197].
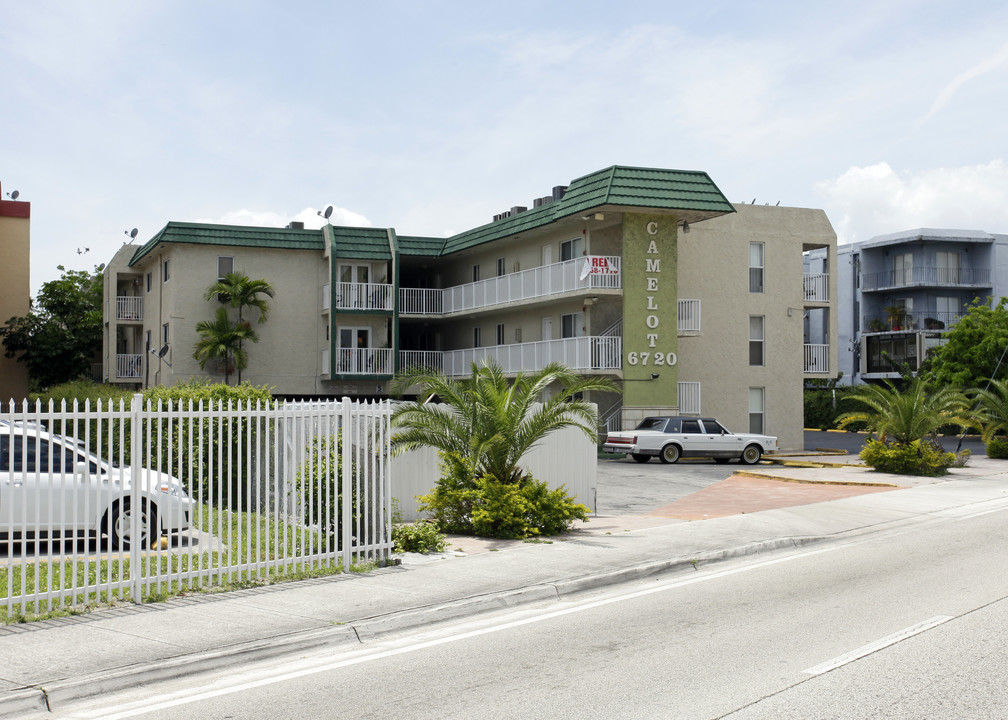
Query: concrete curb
[60,693]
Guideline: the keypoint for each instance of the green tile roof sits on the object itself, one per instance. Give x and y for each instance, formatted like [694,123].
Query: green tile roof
[232,236]
[361,243]
[422,246]
[690,192]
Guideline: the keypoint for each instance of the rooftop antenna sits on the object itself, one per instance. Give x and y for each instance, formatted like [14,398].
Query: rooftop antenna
[132,234]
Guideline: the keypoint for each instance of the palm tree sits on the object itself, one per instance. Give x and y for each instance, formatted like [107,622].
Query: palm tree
[489,420]
[222,340]
[912,414]
[992,413]
[238,291]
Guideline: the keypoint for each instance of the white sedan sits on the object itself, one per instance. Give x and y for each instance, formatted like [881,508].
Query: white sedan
[670,438]
[51,486]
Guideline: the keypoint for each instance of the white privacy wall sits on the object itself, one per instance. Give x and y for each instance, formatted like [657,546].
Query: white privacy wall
[566,457]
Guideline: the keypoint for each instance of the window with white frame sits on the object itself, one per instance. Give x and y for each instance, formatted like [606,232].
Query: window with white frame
[572,325]
[570,249]
[164,334]
[225,266]
[756,340]
[948,267]
[756,265]
[757,410]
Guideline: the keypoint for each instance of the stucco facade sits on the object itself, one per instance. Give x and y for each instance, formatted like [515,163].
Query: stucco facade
[639,275]
[15,288]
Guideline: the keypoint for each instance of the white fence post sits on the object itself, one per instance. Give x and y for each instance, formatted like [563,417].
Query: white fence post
[346,480]
[136,431]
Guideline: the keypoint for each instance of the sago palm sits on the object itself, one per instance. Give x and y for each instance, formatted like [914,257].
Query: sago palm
[912,414]
[992,411]
[489,420]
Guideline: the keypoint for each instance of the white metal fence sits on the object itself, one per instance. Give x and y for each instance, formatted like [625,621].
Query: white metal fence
[127,502]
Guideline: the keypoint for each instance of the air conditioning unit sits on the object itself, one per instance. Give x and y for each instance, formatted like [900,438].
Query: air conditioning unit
[518,209]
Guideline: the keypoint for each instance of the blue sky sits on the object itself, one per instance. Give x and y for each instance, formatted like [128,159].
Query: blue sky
[431,117]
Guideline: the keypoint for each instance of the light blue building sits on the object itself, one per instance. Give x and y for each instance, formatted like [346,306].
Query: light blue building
[897,293]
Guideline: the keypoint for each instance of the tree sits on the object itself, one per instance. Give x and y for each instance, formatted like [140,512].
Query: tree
[62,332]
[487,419]
[992,409]
[238,291]
[904,417]
[221,340]
[972,349]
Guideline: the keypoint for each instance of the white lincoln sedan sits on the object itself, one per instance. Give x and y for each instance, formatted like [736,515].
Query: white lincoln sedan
[670,438]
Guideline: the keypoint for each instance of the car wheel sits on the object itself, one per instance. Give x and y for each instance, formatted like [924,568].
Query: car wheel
[640,458]
[118,525]
[720,461]
[751,455]
[669,453]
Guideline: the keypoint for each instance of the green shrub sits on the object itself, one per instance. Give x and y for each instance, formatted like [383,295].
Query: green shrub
[997,448]
[320,486]
[921,457]
[418,537]
[467,505]
[824,405]
[81,390]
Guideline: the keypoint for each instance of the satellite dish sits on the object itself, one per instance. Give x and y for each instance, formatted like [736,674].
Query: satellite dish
[328,212]
[132,234]
[163,351]
[14,195]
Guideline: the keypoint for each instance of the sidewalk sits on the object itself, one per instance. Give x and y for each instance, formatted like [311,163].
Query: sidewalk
[768,507]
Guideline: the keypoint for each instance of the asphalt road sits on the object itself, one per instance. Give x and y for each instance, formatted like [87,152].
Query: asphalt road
[908,623]
[853,442]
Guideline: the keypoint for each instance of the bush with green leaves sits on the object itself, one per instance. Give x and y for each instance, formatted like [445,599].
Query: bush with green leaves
[919,457]
[418,537]
[997,448]
[484,506]
[320,485]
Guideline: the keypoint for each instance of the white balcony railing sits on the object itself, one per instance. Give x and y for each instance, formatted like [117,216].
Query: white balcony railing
[129,308]
[362,296]
[431,359]
[363,361]
[816,287]
[689,316]
[129,367]
[568,276]
[816,358]
[581,353]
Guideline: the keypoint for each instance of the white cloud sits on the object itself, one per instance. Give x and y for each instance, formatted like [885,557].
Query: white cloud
[309,216]
[876,200]
[989,64]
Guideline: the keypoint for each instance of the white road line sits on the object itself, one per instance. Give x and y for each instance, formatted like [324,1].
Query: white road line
[878,645]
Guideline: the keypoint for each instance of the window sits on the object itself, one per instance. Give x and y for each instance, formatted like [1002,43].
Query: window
[572,325]
[756,410]
[756,267]
[149,281]
[902,269]
[164,334]
[946,312]
[165,275]
[570,249]
[500,267]
[225,266]
[500,333]
[948,267]
[691,427]
[756,340]
[476,337]
[475,274]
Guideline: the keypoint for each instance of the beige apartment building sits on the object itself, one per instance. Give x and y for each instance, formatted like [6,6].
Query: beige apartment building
[647,276]
[15,287]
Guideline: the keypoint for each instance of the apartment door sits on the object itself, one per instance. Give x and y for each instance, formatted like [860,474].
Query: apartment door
[547,327]
[353,350]
[353,280]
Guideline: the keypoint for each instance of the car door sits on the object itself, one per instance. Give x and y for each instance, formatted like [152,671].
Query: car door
[41,494]
[720,442]
[692,438]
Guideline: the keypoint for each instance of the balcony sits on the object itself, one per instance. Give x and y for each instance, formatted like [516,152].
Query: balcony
[816,359]
[926,277]
[921,320]
[816,287]
[129,308]
[580,353]
[129,367]
[360,361]
[594,272]
[364,297]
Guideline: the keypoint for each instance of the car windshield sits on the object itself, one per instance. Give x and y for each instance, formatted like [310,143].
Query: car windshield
[652,423]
